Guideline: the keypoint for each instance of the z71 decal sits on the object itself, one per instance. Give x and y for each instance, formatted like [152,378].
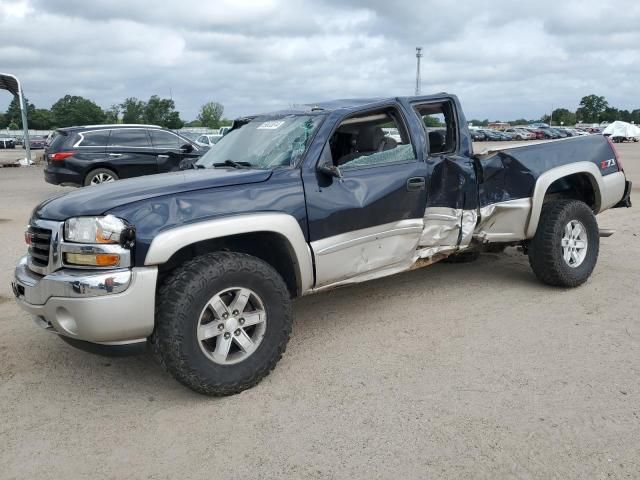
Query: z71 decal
[604,164]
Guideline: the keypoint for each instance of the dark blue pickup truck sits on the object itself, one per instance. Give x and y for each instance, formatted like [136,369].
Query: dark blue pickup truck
[202,264]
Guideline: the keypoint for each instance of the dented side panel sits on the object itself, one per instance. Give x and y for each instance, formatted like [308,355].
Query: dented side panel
[511,173]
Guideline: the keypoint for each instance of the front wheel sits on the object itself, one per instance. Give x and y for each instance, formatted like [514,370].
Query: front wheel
[565,248]
[99,176]
[223,321]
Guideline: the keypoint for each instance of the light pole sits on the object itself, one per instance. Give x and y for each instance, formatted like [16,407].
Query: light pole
[418,57]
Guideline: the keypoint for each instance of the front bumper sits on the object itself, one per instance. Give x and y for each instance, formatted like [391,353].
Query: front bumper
[106,306]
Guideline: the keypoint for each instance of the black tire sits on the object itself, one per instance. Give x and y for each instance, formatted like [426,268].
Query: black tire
[93,173]
[546,252]
[180,301]
[463,257]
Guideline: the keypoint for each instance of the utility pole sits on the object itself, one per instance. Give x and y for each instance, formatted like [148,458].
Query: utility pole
[418,57]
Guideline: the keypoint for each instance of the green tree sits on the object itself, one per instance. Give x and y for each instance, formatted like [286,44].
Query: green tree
[14,115]
[210,114]
[610,114]
[591,108]
[75,110]
[112,114]
[479,123]
[132,110]
[41,119]
[563,116]
[161,111]
[431,121]
[3,121]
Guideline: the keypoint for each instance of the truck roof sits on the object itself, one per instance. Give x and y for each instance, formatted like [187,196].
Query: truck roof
[346,104]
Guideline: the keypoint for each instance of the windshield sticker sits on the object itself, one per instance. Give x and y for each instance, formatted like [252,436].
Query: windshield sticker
[271,125]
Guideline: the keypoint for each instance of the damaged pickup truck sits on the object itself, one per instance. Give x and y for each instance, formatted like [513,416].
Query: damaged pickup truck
[202,264]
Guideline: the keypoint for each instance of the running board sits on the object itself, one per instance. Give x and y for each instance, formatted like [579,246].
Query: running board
[606,232]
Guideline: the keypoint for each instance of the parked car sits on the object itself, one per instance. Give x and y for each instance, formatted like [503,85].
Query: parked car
[539,134]
[37,142]
[203,264]
[95,154]
[558,132]
[208,140]
[7,142]
[224,130]
[492,135]
[193,136]
[477,135]
[520,134]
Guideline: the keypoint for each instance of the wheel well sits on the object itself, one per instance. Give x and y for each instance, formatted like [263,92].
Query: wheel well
[271,247]
[93,167]
[578,186]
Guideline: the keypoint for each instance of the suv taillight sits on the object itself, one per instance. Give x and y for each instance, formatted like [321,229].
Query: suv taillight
[56,157]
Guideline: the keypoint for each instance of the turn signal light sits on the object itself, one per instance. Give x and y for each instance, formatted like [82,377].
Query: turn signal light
[56,157]
[97,260]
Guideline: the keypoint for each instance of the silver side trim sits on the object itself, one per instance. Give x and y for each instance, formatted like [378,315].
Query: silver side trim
[547,178]
[356,256]
[503,221]
[336,247]
[165,244]
[614,186]
[442,227]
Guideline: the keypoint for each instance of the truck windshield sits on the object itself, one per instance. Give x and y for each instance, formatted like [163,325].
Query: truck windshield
[264,142]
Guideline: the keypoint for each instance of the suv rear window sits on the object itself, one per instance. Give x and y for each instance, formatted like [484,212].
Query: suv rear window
[58,140]
[129,137]
[98,138]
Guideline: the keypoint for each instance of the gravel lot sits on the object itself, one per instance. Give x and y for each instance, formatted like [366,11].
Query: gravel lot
[453,371]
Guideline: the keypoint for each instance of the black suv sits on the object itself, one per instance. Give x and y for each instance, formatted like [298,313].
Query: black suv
[96,154]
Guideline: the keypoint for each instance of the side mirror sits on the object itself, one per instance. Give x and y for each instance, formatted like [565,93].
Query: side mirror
[330,170]
[187,148]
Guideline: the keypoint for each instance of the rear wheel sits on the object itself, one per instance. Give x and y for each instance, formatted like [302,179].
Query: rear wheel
[100,175]
[223,321]
[565,248]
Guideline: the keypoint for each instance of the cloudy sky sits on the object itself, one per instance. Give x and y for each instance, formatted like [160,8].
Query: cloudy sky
[504,58]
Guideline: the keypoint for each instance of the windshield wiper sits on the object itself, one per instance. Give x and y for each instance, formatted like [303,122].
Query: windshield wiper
[231,163]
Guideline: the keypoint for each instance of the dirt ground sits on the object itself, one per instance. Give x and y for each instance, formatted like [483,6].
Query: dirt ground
[453,371]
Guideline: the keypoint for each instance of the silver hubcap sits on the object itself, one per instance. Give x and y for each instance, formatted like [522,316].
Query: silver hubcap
[232,325]
[101,178]
[574,243]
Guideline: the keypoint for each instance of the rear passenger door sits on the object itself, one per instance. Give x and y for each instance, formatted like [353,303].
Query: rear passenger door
[130,154]
[170,149]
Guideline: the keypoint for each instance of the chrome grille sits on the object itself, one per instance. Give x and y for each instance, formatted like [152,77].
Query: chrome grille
[40,245]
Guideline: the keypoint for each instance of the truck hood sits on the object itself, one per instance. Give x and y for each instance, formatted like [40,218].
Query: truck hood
[99,199]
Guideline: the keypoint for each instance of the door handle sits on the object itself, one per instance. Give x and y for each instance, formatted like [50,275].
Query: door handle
[416,184]
[115,154]
[163,156]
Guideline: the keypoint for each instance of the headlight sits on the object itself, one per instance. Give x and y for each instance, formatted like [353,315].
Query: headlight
[99,230]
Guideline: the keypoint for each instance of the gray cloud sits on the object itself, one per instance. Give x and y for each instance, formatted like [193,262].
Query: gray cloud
[504,58]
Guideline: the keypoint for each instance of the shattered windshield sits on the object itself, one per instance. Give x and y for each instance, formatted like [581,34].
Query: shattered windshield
[264,142]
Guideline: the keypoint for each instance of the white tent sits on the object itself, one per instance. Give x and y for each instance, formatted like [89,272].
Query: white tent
[622,129]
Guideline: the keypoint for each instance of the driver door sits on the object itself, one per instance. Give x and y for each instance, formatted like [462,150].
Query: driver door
[170,150]
[369,219]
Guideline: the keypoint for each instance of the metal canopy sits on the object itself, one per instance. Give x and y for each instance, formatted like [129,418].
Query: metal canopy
[12,84]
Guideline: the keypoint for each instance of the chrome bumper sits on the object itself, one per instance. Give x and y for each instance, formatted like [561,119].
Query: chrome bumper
[112,307]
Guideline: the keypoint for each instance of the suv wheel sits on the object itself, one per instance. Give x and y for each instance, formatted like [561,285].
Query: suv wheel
[223,321]
[565,248]
[100,175]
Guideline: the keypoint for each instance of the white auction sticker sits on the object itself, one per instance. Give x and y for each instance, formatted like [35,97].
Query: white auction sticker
[271,125]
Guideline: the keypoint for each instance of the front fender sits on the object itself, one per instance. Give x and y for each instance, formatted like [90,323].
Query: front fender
[165,244]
